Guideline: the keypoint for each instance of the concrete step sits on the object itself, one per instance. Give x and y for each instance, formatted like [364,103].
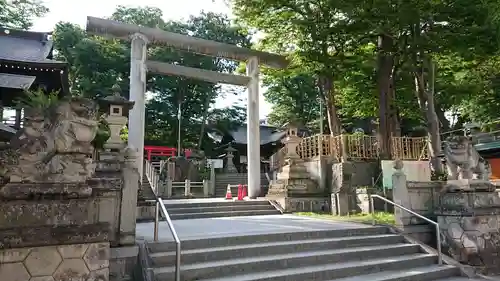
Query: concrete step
[426,273]
[258,239]
[461,279]
[273,248]
[223,214]
[221,191]
[229,208]
[296,266]
[173,205]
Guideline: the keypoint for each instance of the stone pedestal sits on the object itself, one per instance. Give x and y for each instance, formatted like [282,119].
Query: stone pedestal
[470,225]
[87,261]
[58,231]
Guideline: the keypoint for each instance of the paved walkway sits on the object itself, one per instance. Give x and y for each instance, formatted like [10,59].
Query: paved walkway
[236,226]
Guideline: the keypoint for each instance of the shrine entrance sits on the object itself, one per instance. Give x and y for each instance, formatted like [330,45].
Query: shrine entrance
[140,37]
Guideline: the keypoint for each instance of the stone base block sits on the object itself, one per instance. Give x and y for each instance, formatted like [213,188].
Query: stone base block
[424,233]
[469,185]
[468,203]
[145,213]
[75,262]
[473,240]
[122,263]
[304,204]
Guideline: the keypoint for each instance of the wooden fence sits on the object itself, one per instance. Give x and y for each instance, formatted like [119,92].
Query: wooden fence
[356,147]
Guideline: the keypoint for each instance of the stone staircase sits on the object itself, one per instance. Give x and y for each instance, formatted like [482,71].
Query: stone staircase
[356,254]
[195,209]
[145,210]
[222,180]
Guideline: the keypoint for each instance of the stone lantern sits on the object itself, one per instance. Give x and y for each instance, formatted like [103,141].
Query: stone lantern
[292,140]
[116,108]
[230,168]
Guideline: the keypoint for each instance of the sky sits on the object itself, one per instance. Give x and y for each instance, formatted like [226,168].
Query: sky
[77,11]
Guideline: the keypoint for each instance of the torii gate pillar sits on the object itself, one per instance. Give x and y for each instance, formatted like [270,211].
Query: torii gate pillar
[253,128]
[137,92]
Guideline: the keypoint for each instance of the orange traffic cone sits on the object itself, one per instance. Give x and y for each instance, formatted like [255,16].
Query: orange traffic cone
[229,196]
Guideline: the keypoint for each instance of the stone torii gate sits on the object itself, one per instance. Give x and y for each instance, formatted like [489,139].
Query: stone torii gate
[140,37]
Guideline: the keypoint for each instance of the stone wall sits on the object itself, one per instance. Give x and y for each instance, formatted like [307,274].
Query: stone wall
[303,204]
[422,198]
[75,262]
[363,171]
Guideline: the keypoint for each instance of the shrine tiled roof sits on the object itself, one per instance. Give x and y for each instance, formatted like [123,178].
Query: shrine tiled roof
[26,47]
[25,56]
[14,81]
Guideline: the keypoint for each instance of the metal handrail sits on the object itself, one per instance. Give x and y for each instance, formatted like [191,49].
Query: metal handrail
[438,231]
[153,180]
[161,206]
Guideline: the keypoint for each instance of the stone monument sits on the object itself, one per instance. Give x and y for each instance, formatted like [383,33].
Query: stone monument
[294,189]
[343,193]
[468,211]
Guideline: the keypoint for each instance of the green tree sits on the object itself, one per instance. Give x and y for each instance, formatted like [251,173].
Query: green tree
[20,14]
[405,39]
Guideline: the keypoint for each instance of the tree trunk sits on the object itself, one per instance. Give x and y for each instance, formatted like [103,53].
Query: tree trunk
[384,69]
[426,101]
[203,122]
[395,124]
[327,92]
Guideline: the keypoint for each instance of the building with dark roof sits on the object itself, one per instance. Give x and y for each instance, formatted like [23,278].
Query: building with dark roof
[270,142]
[26,63]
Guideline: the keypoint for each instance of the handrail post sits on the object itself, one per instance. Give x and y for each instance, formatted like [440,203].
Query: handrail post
[187,187]
[178,261]
[438,246]
[157,220]
[372,209]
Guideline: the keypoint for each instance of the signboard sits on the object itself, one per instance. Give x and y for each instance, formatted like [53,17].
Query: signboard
[216,163]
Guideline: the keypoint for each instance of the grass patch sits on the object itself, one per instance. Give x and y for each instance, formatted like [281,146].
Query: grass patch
[380,217]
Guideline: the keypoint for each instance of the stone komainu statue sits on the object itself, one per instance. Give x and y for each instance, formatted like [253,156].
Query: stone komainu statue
[463,161]
[54,145]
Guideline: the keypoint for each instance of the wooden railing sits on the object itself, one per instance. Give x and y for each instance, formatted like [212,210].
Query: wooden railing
[355,147]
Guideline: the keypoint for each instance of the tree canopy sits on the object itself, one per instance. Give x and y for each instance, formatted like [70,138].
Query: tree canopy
[339,40]
[20,14]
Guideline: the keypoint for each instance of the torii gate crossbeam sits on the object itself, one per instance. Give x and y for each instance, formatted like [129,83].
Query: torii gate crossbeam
[141,36]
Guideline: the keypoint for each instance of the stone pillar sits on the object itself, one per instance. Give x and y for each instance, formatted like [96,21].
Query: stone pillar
[400,195]
[253,128]
[417,197]
[137,92]
[212,180]
[129,198]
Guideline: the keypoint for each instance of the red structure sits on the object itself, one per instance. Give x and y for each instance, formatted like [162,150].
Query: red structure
[151,150]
